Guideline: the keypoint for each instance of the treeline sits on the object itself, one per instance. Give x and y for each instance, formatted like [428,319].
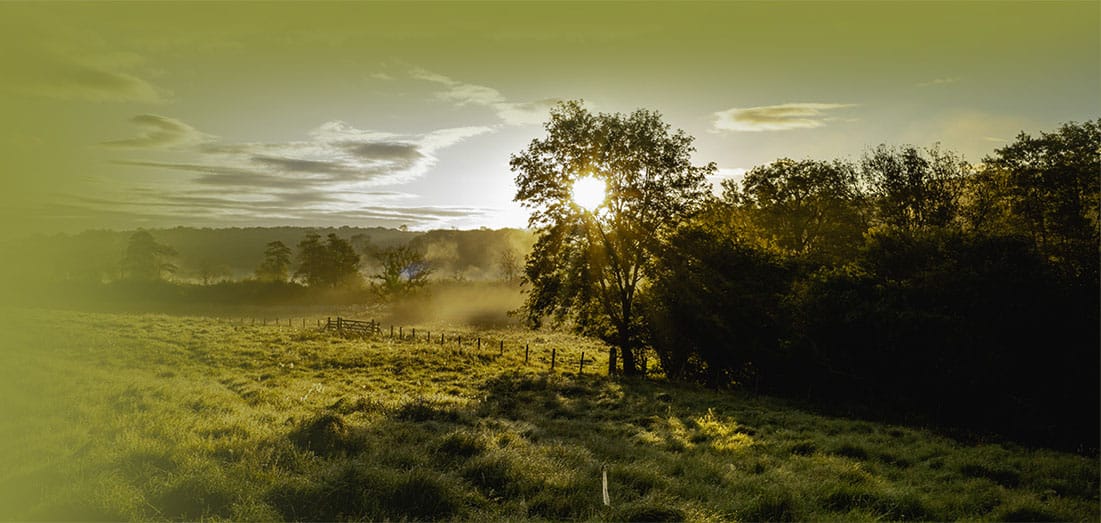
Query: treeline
[189,267]
[208,256]
[909,284]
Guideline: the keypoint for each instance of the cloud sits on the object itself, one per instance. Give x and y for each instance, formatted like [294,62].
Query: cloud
[464,94]
[781,117]
[156,208]
[329,177]
[161,132]
[939,81]
[384,150]
[91,79]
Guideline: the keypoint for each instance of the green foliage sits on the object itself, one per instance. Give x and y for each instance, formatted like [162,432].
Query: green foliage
[1049,189]
[911,189]
[802,208]
[716,306]
[592,266]
[331,264]
[404,269]
[145,259]
[910,286]
[277,263]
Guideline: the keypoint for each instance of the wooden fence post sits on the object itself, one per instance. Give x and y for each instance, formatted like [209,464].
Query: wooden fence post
[553,350]
[581,369]
[527,346]
[391,331]
[414,335]
[479,343]
[502,353]
[401,333]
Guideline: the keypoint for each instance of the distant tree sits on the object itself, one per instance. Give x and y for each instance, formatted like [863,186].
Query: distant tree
[145,259]
[592,267]
[326,264]
[343,260]
[277,263]
[312,264]
[508,262]
[914,190]
[804,207]
[404,268]
[210,271]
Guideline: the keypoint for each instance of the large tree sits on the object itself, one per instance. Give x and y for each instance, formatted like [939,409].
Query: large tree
[591,266]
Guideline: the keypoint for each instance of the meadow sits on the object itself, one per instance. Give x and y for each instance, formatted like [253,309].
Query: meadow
[157,417]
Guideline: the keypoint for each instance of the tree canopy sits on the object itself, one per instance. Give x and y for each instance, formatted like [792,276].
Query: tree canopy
[404,268]
[591,266]
[146,259]
[909,284]
[327,264]
[276,264]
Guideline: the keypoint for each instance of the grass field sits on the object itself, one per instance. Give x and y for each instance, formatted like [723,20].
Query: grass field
[150,417]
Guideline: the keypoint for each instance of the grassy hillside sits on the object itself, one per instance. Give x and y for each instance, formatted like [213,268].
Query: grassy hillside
[155,417]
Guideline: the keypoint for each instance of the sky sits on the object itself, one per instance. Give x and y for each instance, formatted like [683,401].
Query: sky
[127,115]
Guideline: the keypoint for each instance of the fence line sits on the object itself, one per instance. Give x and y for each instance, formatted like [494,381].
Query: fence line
[374,328]
[360,328]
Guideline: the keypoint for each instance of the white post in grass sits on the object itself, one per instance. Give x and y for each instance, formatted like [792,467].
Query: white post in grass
[604,474]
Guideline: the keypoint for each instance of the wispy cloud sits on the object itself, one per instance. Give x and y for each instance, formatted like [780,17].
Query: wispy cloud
[801,115]
[940,81]
[463,94]
[85,78]
[167,210]
[330,176]
[161,132]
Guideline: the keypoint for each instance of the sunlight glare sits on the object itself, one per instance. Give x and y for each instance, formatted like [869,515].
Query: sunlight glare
[588,192]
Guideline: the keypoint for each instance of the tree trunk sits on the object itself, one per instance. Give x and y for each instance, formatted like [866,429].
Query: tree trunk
[630,367]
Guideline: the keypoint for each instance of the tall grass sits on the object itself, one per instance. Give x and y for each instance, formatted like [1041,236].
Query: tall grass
[148,417]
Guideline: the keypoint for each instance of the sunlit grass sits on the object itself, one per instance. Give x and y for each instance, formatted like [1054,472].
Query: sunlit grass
[149,417]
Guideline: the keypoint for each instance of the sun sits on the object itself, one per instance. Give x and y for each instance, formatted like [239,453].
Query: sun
[588,192]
